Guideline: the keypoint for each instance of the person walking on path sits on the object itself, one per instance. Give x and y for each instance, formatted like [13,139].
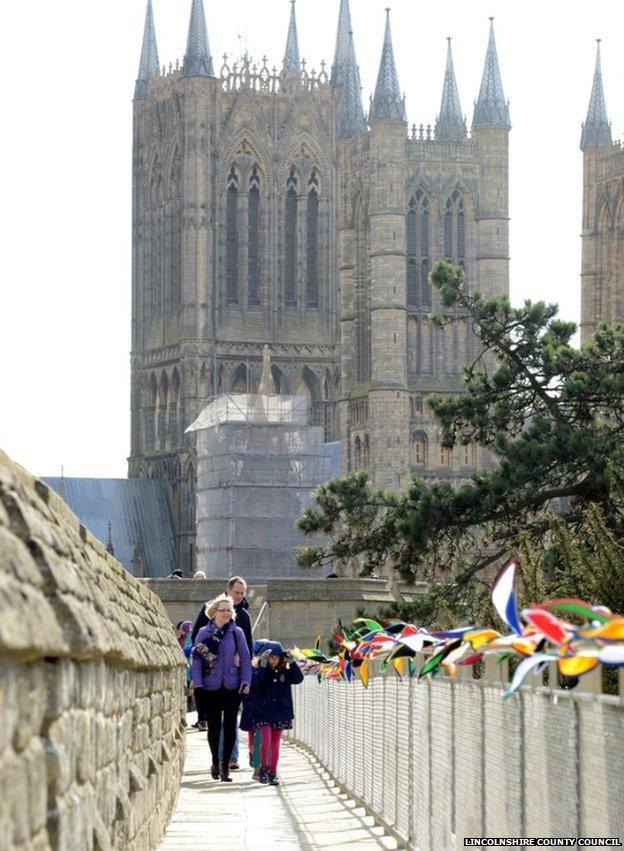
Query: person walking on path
[183,630]
[236,589]
[272,706]
[247,715]
[222,670]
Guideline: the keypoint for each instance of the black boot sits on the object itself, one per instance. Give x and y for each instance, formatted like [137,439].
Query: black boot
[225,773]
[215,771]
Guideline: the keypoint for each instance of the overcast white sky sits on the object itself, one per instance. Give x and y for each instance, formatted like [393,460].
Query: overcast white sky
[69,68]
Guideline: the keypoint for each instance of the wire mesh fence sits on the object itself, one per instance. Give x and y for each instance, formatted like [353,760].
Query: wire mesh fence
[440,761]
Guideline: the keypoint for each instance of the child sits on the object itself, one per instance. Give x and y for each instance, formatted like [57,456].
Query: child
[272,704]
[247,715]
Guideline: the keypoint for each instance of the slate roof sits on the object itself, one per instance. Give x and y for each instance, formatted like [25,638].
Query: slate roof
[138,510]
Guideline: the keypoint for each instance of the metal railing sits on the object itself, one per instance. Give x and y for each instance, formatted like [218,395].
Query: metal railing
[442,760]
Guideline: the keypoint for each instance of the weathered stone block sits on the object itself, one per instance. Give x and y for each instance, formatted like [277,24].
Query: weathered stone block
[74,654]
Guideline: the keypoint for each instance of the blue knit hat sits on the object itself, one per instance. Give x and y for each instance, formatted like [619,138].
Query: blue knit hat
[259,646]
[275,648]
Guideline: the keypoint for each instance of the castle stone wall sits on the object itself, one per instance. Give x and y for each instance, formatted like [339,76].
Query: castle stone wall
[91,686]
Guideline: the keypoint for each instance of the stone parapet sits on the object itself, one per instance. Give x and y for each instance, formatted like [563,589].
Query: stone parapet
[91,685]
[183,598]
[297,609]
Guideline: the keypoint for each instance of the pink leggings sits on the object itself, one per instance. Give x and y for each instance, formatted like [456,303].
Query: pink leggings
[270,748]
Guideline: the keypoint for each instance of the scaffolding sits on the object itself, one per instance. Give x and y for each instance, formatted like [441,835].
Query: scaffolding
[258,464]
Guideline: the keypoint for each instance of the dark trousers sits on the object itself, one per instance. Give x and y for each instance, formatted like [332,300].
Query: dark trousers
[200,704]
[221,708]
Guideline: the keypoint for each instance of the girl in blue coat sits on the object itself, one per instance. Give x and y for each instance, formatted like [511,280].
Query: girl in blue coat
[273,705]
[247,715]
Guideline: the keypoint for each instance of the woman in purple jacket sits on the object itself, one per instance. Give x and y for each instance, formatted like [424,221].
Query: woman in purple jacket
[222,673]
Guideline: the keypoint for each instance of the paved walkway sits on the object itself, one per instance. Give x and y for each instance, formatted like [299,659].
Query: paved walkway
[306,811]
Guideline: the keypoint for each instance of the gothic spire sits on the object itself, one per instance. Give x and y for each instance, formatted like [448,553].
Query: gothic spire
[450,126]
[388,104]
[292,62]
[149,63]
[343,40]
[596,130]
[491,108]
[197,59]
[110,547]
[351,119]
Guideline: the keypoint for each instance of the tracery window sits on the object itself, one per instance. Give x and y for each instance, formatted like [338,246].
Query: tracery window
[174,237]
[290,242]
[418,449]
[156,235]
[455,230]
[231,261]
[418,264]
[470,455]
[312,268]
[253,258]
[358,453]
[366,453]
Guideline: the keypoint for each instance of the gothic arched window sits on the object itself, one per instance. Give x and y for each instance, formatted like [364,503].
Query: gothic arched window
[418,449]
[161,411]
[448,232]
[290,242]
[189,500]
[231,260]
[366,453]
[418,287]
[240,382]
[174,237]
[156,234]
[173,415]
[470,455]
[455,230]
[446,457]
[312,283]
[152,422]
[412,274]
[253,279]
[358,453]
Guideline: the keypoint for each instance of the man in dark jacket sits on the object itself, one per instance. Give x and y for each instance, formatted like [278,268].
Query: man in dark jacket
[236,588]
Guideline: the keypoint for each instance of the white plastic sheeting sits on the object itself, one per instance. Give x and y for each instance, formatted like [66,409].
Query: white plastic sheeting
[258,462]
[252,408]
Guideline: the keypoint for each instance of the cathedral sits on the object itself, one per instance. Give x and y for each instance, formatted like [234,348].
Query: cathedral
[270,209]
[602,275]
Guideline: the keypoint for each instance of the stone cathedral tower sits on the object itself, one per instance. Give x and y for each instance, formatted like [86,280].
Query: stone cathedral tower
[267,209]
[602,278]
